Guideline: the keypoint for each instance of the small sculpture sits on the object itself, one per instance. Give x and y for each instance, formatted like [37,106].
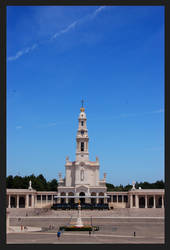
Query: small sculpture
[133,183]
[30,183]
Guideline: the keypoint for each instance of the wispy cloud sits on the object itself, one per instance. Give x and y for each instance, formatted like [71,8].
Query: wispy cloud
[57,34]
[97,11]
[51,124]
[128,115]
[140,114]
[154,149]
[69,27]
[157,111]
[47,125]
[19,127]
[79,21]
[22,52]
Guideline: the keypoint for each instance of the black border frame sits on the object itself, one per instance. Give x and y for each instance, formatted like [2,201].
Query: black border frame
[3,6]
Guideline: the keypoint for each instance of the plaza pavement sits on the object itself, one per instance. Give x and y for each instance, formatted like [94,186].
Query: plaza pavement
[116,226]
[113,229]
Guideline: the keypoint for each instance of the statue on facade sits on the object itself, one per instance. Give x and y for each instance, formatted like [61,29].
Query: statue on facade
[59,175]
[30,183]
[133,185]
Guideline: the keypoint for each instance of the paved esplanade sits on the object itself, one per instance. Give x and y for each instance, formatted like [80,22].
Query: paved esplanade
[112,230]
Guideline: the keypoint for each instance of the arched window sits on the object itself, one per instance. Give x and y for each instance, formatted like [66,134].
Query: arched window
[82,175]
[82,146]
[82,123]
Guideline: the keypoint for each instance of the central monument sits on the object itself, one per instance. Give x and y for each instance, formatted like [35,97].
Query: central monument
[79,222]
[82,175]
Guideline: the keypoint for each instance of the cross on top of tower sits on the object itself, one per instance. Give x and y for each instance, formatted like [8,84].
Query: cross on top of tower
[82,108]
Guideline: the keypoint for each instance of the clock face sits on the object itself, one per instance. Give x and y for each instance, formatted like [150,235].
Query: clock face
[82,132]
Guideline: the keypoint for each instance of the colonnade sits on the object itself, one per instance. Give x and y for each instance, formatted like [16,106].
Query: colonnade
[19,200]
[131,200]
[94,195]
[146,201]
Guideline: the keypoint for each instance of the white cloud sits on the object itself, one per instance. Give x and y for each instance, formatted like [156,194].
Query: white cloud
[158,111]
[139,114]
[71,26]
[154,149]
[47,125]
[128,115]
[97,11]
[19,127]
[57,34]
[52,124]
[22,52]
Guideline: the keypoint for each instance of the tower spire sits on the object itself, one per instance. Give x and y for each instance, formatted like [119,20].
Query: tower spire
[82,138]
[82,109]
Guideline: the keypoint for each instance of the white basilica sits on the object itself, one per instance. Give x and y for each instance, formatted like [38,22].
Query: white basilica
[82,182]
[82,175]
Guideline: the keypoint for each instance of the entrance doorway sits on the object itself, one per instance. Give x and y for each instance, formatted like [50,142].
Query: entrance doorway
[71,200]
[101,200]
[93,200]
[82,200]
[21,201]
[141,202]
[13,201]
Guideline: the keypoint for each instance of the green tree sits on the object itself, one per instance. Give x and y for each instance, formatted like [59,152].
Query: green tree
[127,187]
[110,187]
[53,185]
[9,182]
[17,182]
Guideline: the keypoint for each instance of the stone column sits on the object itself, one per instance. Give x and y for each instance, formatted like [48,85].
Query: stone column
[9,201]
[137,201]
[154,201]
[162,201]
[7,221]
[26,201]
[41,199]
[131,205]
[58,199]
[97,199]
[111,198]
[105,199]
[67,197]
[146,202]
[17,201]
[32,201]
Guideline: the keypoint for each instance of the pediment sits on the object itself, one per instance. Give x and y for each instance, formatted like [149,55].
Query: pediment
[82,188]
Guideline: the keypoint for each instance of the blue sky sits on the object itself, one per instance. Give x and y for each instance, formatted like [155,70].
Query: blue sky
[113,58]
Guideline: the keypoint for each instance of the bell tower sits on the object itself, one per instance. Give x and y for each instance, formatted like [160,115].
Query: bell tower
[82,138]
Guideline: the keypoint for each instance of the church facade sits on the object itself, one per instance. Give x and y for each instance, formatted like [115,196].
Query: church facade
[82,175]
[82,182]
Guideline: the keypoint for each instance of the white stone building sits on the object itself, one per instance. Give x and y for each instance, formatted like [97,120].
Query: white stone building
[82,182]
[82,175]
